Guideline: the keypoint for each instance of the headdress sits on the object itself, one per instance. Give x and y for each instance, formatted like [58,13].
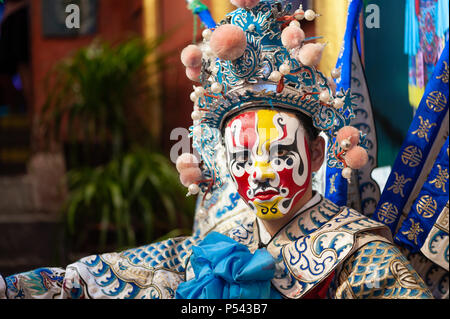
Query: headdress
[258,56]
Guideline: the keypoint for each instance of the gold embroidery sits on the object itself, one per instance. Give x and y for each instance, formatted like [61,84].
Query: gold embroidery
[412,156]
[378,270]
[332,186]
[387,213]
[445,74]
[424,127]
[426,206]
[404,277]
[436,101]
[441,179]
[399,184]
[413,232]
[442,222]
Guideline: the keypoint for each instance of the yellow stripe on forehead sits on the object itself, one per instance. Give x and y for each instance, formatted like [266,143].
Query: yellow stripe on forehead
[267,130]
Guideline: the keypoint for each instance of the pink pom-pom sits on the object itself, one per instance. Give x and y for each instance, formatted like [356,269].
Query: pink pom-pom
[193,73]
[292,37]
[186,160]
[310,54]
[228,42]
[247,4]
[349,133]
[191,56]
[189,176]
[357,157]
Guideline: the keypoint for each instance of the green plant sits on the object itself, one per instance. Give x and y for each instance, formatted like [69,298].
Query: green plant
[138,193]
[101,98]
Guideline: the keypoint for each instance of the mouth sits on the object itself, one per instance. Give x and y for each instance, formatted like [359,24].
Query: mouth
[266,194]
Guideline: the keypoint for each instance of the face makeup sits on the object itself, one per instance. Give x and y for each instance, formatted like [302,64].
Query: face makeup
[268,158]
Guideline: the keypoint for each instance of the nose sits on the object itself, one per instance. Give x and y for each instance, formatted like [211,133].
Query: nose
[263,171]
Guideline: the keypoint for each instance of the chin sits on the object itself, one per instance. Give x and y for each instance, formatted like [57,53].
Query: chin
[269,217]
[268,209]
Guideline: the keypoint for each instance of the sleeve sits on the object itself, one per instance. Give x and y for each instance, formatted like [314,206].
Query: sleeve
[42,283]
[378,270]
[148,272]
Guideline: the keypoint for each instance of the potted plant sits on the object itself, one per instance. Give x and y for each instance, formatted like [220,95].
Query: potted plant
[121,190]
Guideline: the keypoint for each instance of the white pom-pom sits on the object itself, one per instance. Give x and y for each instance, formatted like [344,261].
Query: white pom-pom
[299,14]
[202,213]
[200,91]
[228,42]
[347,173]
[196,115]
[216,88]
[324,96]
[185,161]
[310,54]
[346,144]
[285,69]
[194,97]
[338,103]
[310,15]
[209,53]
[247,4]
[191,56]
[275,76]
[207,33]
[336,73]
[198,131]
[294,23]
[193,189]
[292,37]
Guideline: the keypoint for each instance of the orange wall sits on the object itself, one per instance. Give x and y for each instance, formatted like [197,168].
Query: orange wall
[116,19]
[177,106]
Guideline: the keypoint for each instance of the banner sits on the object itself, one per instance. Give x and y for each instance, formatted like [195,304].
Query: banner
[431,201]
[415,150]
[363,193]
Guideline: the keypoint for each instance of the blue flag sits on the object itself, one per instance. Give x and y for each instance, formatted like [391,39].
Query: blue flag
[363,194]
[423,133]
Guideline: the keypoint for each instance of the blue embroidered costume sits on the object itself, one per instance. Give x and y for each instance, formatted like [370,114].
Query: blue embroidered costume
[323,251]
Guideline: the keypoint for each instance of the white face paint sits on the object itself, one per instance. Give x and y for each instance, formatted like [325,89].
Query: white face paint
[268,158]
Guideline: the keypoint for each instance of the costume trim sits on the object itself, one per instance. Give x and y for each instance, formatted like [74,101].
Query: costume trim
[312,258]
[414,152]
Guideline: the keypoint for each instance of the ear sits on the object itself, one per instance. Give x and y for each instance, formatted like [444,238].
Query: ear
[317,153]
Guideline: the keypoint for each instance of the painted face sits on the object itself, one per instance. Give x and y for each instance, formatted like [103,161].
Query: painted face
[268,158]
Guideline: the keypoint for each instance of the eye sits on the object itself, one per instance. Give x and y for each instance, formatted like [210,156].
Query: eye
[280,153]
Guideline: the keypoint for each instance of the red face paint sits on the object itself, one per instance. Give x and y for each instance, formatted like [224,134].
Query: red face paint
[269,160]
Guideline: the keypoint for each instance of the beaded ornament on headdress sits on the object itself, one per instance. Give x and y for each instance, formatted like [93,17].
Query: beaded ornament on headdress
[228,42]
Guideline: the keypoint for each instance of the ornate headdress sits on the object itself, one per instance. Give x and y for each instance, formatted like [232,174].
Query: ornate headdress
[258,56]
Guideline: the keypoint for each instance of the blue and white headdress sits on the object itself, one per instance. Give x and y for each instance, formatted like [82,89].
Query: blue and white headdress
[259,57]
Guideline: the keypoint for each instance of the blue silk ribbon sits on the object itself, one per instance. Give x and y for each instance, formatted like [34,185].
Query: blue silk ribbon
[226,269]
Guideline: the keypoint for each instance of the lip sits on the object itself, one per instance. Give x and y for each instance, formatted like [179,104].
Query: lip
[266,195]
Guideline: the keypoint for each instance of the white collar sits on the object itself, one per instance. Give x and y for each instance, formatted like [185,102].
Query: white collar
[264,234]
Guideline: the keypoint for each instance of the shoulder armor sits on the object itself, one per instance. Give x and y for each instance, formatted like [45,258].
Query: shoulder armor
[310,259]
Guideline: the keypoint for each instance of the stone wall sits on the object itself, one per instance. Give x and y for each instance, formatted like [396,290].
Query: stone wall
[30,228]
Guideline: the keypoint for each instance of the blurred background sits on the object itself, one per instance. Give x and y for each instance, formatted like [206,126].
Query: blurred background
[86,115]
